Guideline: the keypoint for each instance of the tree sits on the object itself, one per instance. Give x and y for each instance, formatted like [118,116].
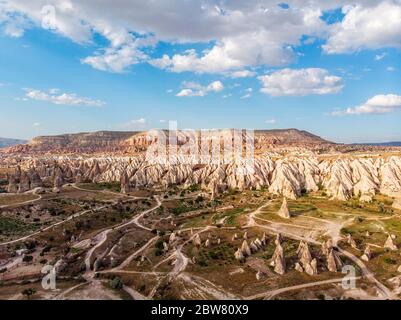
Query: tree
[116,283]
[27,259]
[29,292]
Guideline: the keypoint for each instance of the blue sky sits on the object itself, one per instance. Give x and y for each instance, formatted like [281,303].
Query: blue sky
[321,81]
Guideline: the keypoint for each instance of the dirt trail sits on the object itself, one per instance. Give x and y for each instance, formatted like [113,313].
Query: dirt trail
[21,203]
[335,232]
[270,294]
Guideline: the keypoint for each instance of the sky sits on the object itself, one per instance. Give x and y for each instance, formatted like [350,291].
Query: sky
[329,67]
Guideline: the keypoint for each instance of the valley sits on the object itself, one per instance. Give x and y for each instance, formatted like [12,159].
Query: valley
[115,226]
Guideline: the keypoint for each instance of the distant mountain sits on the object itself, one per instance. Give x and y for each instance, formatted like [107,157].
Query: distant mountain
[5,142]
[115,141]
[381,144]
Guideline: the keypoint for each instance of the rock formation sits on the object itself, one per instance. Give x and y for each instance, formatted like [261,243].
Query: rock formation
[311,268]
[239,255]
[246,250]
[278,259]
[125,184]
[58,180]
[351,242]
[24,184]
[334,262]
[306,262]
[366,254]
[197,240]
[341,178]
[35,180]
[12,184]
[284,212]
[389,244]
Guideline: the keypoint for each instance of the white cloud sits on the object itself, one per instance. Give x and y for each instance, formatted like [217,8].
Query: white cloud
[139,121]
[246,96]
[36,125]
[379,104]
[271,121]
[134,124]
[239,34]
[225,96]
[194,89]
[381,56]
[367,25]
[300,82]
[69,99]
[390,69]
[242,74]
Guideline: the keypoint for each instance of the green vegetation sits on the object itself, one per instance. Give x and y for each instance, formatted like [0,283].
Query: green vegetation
[11,226]
[112,186]
[222,254]
[116,283]
[229,216]
[29,292]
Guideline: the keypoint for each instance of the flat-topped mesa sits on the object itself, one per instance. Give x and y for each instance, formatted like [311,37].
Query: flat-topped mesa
[114,141]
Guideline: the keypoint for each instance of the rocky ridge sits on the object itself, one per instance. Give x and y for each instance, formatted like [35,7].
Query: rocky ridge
[341,177]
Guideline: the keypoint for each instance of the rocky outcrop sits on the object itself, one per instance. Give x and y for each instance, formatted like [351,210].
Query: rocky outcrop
[341,178]
[334,262]
[367,254]
[197,240]
[125,184]
[351,242]
[12,184]
[284,212]
[389,244]
[24,184]
[58,180]
[306,262]
[35,179]
[246,250]
[278,259]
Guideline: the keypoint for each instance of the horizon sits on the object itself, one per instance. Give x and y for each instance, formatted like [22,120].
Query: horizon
[27,140]
[91,66]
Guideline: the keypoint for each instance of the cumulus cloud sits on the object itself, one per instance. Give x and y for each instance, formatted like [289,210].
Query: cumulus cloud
[239,35]
[55,97]
[242,74]
[300,82]
[379,104]
[194,89]
[369,25]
